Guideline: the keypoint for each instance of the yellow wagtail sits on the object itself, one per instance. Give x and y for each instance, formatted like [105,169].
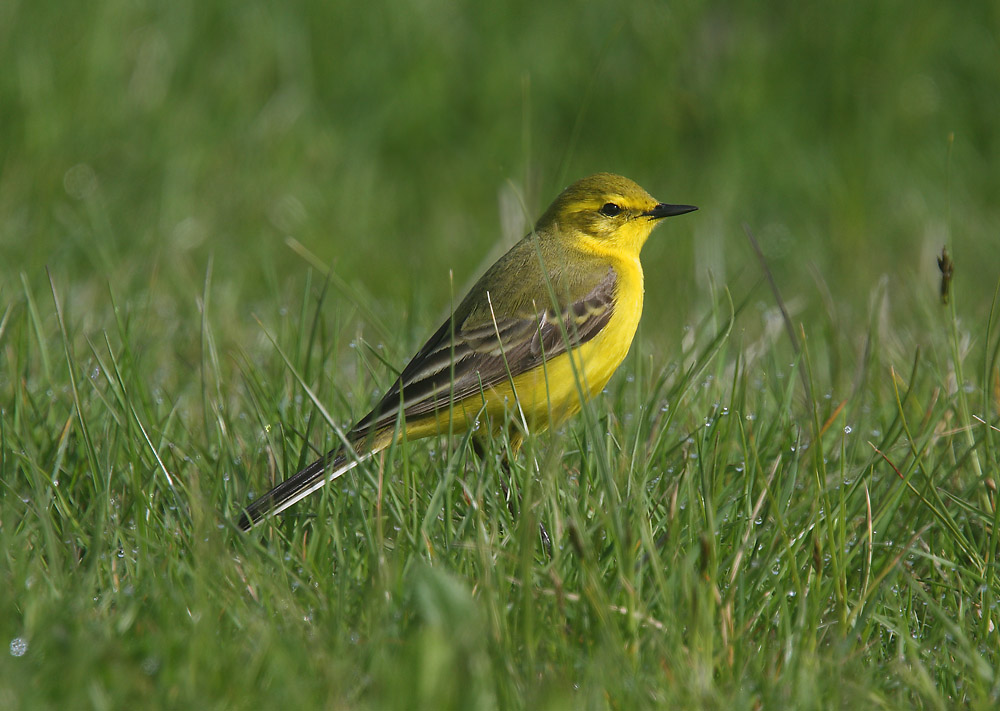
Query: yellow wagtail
[542,330]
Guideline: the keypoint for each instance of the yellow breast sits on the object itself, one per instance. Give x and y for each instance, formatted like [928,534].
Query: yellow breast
[548,395]
[556,391]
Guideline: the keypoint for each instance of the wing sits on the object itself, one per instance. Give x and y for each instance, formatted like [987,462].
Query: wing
[482,355]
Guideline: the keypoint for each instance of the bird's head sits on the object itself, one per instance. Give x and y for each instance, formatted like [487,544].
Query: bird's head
[606,212]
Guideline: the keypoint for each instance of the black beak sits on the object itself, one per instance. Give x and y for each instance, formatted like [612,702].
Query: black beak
[665,210]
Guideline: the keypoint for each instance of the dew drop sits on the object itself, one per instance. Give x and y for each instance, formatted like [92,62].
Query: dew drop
[18,647]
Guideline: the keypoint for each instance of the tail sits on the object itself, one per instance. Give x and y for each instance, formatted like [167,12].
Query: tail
[297,487]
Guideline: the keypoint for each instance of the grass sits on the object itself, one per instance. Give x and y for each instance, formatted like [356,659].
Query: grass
[739,522]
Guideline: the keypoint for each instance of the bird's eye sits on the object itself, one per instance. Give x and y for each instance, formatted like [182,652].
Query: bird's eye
[609,209]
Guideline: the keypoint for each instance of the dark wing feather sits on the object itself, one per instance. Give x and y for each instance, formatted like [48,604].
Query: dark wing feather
[486,355]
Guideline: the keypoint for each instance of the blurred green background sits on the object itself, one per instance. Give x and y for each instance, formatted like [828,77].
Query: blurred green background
[397,141]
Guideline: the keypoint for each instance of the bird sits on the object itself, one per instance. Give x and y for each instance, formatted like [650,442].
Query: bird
[539,333]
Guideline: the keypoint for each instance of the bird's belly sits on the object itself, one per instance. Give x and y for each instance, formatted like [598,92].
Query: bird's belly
[548,395]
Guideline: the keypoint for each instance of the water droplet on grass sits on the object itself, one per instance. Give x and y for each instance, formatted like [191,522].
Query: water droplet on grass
[18,647]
